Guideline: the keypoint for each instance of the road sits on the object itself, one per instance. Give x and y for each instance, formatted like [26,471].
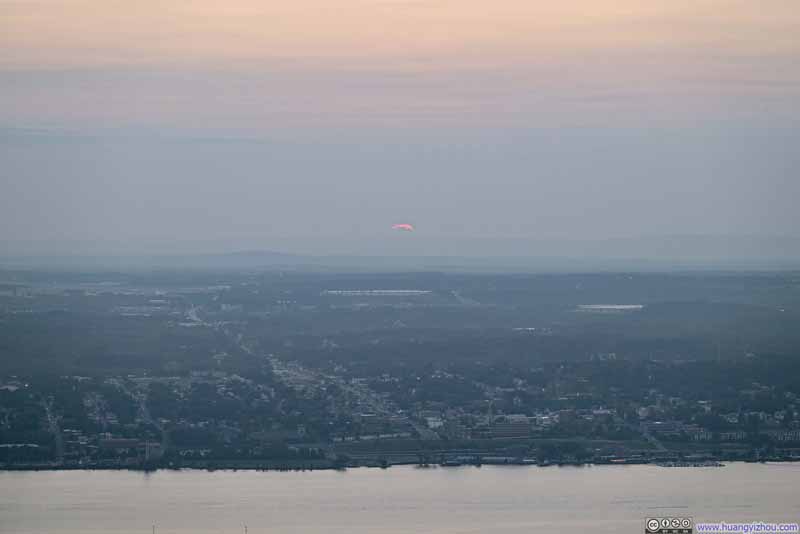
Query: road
[647,435]
[55,429]
[144,414]
[292,373]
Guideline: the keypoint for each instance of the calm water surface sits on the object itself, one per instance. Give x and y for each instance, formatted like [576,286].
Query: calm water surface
[600,499]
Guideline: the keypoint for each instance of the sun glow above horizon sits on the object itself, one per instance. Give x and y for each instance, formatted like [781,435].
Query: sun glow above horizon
[248,64]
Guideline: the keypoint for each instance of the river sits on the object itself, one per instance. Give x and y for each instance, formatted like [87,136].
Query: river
[442,500]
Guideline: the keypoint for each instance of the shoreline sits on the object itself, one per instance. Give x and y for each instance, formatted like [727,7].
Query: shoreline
[233,467]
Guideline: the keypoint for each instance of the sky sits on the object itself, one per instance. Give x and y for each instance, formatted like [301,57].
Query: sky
[314,126]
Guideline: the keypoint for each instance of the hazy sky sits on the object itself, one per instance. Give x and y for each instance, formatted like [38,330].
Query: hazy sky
[251,122]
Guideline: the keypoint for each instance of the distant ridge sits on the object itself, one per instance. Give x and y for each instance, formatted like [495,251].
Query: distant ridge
[661,253]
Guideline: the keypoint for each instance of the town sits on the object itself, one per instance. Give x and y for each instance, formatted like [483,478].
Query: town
[305,371]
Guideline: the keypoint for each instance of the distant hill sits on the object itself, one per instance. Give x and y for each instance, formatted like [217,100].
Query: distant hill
[662,253]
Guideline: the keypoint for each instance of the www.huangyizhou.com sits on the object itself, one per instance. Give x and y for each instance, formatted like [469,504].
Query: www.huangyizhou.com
[745,528]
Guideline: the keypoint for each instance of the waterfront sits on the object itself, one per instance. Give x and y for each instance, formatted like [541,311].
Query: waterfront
[605,499]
